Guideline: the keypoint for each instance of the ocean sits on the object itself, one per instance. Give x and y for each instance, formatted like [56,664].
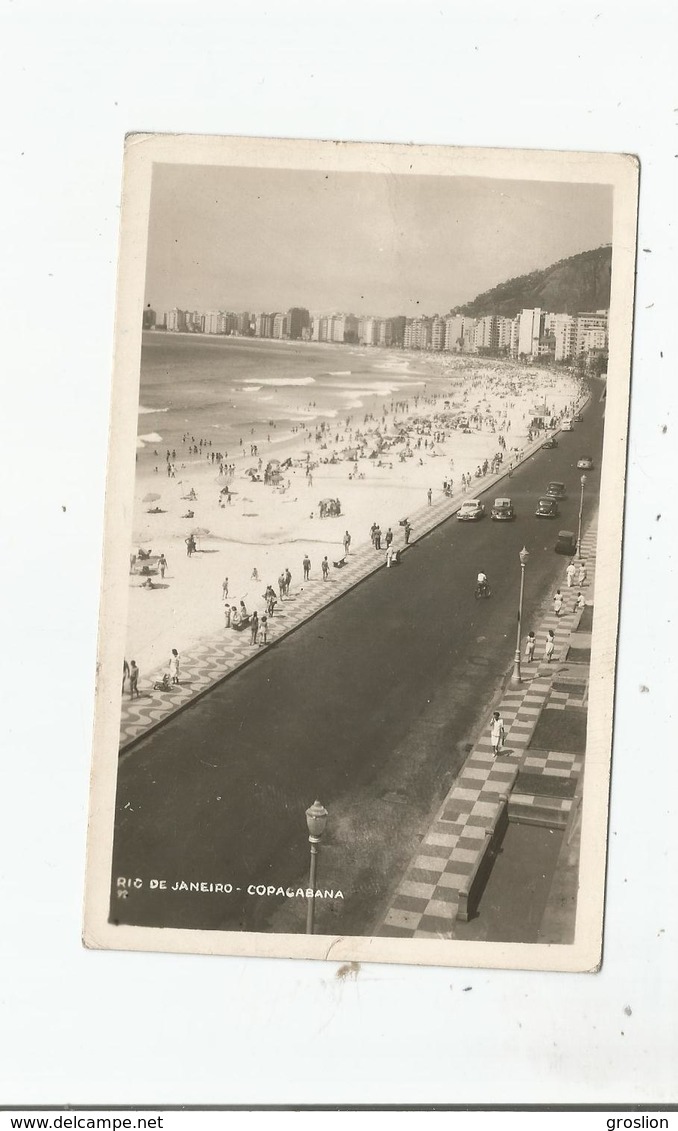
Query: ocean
[222,389]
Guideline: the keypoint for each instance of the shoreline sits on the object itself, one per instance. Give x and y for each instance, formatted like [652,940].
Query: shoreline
[267,529]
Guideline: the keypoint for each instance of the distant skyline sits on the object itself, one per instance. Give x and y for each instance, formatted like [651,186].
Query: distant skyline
[268,239]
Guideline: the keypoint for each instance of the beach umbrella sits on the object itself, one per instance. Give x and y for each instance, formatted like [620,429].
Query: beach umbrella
[200,532]
[150,497]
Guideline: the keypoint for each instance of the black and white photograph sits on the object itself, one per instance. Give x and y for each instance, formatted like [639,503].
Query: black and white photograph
[363,543]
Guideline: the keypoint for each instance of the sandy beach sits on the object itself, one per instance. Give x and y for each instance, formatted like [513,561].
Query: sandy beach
[406,444]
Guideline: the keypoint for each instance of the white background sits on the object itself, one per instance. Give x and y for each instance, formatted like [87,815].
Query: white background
[85,1027]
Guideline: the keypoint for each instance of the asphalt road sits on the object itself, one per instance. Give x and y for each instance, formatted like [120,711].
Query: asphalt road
[370,707]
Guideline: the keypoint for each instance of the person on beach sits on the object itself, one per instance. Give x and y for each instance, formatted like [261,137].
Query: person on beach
[174,667]
[496,733]
[429,495]
[224,589]
[254,627]
[408,531]
[255,574]
[125,673]
[227,615]
[550,646]
[307,567]
[244,615]
[190,545]
[347,543]
[325,568]
[529,647]
[133,680]
[558,602]
[570,572]
[281,585]
[162,565]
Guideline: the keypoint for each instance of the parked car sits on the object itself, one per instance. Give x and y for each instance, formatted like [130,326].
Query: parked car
[567,543]
[567,426]
[547,507]
[471,511]
[503,511]
[550,443]
[585,462]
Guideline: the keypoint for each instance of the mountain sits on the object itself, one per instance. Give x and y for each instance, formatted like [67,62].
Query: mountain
[581,282]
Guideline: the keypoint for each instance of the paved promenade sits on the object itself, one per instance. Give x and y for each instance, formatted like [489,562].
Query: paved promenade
[208,662]
[427,900]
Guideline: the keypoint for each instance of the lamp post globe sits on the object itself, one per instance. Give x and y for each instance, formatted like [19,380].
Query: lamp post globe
[316,819]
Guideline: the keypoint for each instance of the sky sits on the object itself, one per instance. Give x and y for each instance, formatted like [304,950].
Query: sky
[367,243]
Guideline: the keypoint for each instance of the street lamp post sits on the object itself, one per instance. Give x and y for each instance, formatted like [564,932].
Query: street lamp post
[316,819]
[516,677]
[581,511]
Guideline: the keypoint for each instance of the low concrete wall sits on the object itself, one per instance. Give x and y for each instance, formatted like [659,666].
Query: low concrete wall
[469,896]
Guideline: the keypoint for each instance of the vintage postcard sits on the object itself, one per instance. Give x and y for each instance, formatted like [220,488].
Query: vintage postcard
[363,546]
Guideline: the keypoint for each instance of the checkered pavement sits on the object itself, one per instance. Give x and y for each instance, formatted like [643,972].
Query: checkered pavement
[426,901]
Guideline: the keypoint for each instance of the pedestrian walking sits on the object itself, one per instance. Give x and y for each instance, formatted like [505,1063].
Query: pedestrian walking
[408,531]
[307,567]
[496,733]
[162,565]
[263,629]
[558,602]
[174,667]
[347,543]
[550,646]
[133,680]
[281,585]
[389,537]
[377,538]
[529,647]
[125,673]
[254,627]
[581,580]
[570,571]
[325,568]
[288,582]
[389,557]
[429,494]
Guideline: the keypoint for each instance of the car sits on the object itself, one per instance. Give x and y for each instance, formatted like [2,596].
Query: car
[503,511]
[471,511]
[547,507]
[567,543]
[585,462]
[578,417]
[567,426]
[550,443]
[556,490]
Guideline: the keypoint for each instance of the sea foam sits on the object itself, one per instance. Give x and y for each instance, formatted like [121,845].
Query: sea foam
[273,381]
